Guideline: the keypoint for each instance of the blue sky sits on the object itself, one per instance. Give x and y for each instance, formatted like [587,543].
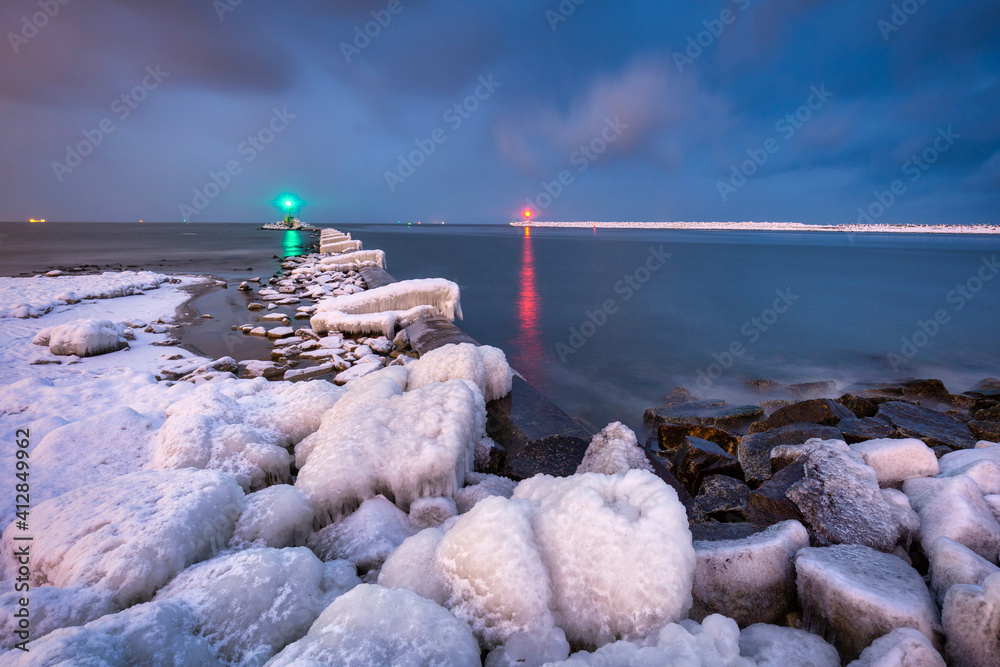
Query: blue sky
[800,110]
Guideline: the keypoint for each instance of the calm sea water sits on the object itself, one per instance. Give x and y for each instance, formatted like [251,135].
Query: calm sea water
[606,322]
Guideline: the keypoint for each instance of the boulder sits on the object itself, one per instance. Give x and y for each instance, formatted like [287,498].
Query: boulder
[751,580]
[671,436]
[710,531]
[858,594]
[954,507]
[861,407]
[953,563]
[865,428]
[816,411]
[897,460]
[705,413]
[903,647]
[764,386]
[821,389]
[768,504]
[981,464]
[985,430]
[934,428]
[722,497]
[776,646]
[697,458]
[971,617]
[755,449]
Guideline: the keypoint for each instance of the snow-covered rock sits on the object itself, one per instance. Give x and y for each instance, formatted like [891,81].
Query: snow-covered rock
[278,516]
[52,608]
[413,566]
[861,594]
[751,580]
[615,450]
[366,537]
[903,647]
[35,296]
[953,563]
[372,625]
[971,617]
[981,464]
[896,460]
[778,646]
[954,507]
[481,486]
[431,511]
[402,295]
[84,338]
[486,366]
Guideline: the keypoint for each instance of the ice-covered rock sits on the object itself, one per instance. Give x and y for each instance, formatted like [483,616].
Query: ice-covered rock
[484,486]
[278,516]
[953,563]
[84,338]
[971,617]
[413,566]
[615,450]
[751,580]
[431,511]
[486,366]
[366,537]
[402,295]
[132,535]
[903,647]
[840,499]
[858,594]
[251,604]
[897,460]
[778,646]
[980,464]
[404,446]
[954,507]
[372,625]
[51,608]
[35,296]
[523,649]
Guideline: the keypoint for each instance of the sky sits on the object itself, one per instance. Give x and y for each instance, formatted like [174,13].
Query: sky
[815,111]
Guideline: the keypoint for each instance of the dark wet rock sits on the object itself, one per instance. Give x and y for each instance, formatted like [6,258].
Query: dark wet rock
[710,531]
[868,428]
[930,390]
[861,407]
[722,497]
[705,413]
[764,386]
[556,455]
[959,415]
[824,389]
[783,456]
[695,459]
[934,428]
[490,457]
[987,415]
[988,384]
[768,504]
[678,395]
[755,449]
[661,468]
[985,430]
[671,436]
[941,450]
[816,411]
[770,407]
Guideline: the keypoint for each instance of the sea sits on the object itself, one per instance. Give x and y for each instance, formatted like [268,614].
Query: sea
[607,322]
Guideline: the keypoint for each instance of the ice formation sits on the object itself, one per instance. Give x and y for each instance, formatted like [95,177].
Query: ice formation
[896,460]
[431,511]
[365,537]
[954,507]
[403,295]
[953,563]
[278,516]
[35,296]
[384,323]
[52,608]
[414,566]
[982,465]
[133,534]
[84,338]
[778,646]
[971,617]
[336,247]
[613,451]
[482,486]
[903,647]
[371,625]
[352,261]
[485,365]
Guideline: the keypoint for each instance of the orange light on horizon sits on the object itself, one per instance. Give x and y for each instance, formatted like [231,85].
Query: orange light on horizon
[527,213]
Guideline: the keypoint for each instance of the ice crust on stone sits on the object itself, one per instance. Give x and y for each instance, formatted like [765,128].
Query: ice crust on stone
[431,511]
[482,486]
[351,261]
[372,625]
[524,649]
[486,366]
[615,450]
[365,537]
[414,566]
[278,516]
[954,507]
[35,296]
[751,580]
[778,646]
[84,338]
[52,608]
[971,617]
[982,465]
[132,535]
[903,647]
[953,563]
[403,295]
[337,247]
[897,460]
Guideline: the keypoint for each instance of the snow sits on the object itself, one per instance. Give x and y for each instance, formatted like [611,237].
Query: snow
[486,366]
[413,566]
[371,625]
[83,338]
[251,604]
[777,646]
[36,296]
[365,537]
[403,295]
[954,507]
[897,460]
[971,617]
[615,450]
[903,647]
[278,516]
[751,580]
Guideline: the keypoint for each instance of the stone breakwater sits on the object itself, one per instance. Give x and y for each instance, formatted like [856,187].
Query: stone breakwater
[774,227]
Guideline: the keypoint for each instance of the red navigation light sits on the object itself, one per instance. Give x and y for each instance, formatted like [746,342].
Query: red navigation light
[527,213]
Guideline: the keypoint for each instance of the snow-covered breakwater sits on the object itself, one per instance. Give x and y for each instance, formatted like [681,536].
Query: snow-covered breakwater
[773,227]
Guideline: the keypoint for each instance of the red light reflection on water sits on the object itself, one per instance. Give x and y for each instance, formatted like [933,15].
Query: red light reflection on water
[528,348]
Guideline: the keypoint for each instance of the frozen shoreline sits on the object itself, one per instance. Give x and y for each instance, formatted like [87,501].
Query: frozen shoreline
[773,227]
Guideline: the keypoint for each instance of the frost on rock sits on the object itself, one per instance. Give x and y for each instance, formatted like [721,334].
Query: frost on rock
[413,566]
[278,516]
[751,580]
[371,625]
[903,647]
[52,608]
[778,646]
[857,594]
[85,338]
[615,450]
[840,499]
[714,643]
[251,604]
[366,537]
[953,563]
[954,507]
[154,633]
[484,365]
[896,460]
[431,511]
[971,617]
[482,486]
[403,295]
[242,427]
[337,247]
[352,261]
[981,465]
[132,535]
[382,441]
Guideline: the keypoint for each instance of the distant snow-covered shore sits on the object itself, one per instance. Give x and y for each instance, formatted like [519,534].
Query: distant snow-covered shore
[774,227]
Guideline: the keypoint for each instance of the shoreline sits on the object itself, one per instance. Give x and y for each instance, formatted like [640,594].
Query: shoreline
[772,227]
